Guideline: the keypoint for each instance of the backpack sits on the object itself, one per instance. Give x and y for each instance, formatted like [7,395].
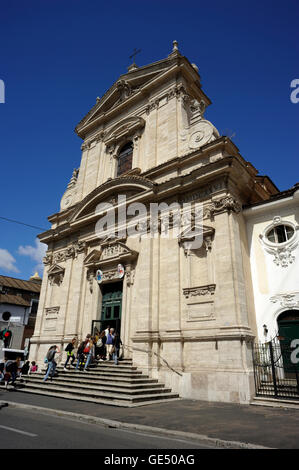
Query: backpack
[50,355]
[9,366]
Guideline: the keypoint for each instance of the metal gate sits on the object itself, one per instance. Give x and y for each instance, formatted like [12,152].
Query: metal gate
[276,371]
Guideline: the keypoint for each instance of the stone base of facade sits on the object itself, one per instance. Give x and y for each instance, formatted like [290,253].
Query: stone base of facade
[231,381]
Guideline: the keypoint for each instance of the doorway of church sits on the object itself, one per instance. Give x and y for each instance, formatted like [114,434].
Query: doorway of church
[111,306]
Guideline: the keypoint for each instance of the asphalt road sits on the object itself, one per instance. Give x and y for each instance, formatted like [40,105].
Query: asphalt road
[24,429]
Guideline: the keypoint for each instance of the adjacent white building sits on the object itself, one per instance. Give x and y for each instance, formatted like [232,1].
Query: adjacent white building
[273,243]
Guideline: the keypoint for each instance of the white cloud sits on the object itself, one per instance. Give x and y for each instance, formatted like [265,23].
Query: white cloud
[36,253]
[7,261]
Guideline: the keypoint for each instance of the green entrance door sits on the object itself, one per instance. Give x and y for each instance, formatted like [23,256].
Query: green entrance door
[111,305]
[288,329]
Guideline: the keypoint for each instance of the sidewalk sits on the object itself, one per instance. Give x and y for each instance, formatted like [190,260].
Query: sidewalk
[258,425]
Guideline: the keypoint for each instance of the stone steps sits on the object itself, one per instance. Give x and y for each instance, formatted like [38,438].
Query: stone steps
[79,379]
[106,383]
[275,402]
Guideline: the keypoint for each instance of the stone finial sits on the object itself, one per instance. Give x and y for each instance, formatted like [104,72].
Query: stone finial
[74,178]
[175,46]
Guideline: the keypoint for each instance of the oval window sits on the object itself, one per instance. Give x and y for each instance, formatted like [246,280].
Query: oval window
[280,234]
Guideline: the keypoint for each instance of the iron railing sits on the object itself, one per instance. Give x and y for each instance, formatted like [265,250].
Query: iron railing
[276,373]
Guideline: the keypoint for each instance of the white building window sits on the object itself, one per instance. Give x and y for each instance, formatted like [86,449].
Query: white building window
[280,234]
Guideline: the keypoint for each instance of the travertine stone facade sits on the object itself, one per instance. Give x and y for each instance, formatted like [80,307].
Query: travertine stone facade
[187,315]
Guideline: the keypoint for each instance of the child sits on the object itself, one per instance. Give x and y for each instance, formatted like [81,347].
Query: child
[34,367]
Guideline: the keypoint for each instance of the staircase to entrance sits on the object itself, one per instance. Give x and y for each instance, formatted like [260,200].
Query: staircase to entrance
[104,383]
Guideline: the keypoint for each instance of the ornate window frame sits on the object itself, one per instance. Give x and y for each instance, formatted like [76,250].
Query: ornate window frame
[282,251]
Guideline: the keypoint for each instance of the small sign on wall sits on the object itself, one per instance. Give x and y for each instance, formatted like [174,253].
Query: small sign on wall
[99,276]
[120,271]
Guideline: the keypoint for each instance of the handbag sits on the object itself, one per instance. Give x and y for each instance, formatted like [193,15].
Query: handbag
[99,343]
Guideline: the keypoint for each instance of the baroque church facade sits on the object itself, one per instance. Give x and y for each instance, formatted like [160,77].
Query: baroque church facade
[185,316]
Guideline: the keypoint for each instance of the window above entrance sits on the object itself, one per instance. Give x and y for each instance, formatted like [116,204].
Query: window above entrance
[125,157]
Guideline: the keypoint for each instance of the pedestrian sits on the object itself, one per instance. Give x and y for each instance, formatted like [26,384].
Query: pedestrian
[116,346]
[101,346]
[80,356]
[50,360]
[70,353]
[25,368]
[33,368]
[109,344]
[12,369]
[107,330]
[89,350]
[2,367]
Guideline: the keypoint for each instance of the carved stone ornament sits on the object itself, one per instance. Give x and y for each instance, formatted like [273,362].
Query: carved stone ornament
[48,259]
[71,251]
[52,311]
[56,275]
[130,274]
[283,257]
[227,203]
[288,301]
[199,291]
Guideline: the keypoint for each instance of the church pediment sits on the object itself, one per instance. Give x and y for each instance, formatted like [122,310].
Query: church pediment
[203,233]
[111,252]
[92,258]
[123,89]
[56,275]
[55,269]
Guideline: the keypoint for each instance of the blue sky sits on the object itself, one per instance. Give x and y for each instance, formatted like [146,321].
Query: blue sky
[58,56]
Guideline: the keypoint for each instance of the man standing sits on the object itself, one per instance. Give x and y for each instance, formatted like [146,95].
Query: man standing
[109,344]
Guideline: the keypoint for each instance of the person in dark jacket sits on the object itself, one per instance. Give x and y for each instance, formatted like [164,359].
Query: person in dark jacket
[116,344]
[70,353]
[25,368]
[51,362]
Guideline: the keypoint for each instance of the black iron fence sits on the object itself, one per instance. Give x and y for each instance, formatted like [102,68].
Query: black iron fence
[276,371]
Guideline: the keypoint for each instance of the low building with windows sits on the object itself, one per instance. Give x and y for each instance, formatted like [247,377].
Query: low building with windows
[273,243]
[18,308]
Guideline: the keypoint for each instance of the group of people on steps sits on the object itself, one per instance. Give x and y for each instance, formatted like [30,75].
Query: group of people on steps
[101,346]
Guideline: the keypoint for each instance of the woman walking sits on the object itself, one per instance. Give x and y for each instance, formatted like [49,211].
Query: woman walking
[90,351]
[70,353]
[50,358]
